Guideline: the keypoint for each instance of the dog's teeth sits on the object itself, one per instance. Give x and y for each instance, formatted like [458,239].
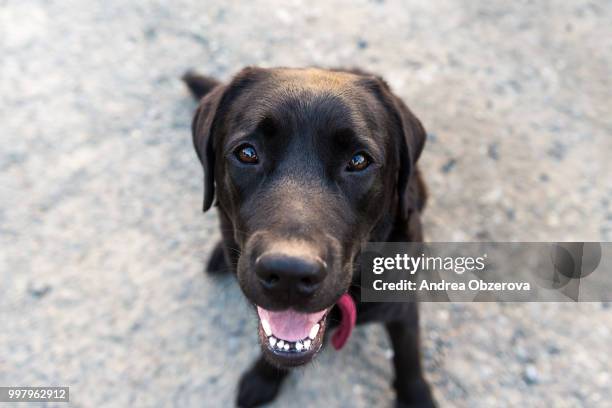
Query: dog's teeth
[280,344]
[286,346]
[313,331]
[298,346]
[272,341]
[266,327]
[306,344]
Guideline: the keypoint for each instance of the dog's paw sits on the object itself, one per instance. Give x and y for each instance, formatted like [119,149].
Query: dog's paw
[416,395]
[255,389]
[216,263]
[402,404]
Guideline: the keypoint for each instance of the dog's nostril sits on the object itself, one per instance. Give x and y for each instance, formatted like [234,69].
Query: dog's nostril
[306,281]
[268,280]
[272,279]
[307,286]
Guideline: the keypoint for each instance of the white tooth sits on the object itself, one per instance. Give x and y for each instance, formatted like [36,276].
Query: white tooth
[272,341]
[280,344]
[313,331]
[298,346]
[286,347]
[266,327]
[306,344]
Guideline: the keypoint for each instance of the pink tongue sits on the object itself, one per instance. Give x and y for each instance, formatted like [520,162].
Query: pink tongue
[290,325]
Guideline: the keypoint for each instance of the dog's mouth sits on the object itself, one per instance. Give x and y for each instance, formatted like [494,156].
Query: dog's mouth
[291,338]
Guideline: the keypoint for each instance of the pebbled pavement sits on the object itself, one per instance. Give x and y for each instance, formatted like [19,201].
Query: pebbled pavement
[102,239]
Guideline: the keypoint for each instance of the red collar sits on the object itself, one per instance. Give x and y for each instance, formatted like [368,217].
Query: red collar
[349,317]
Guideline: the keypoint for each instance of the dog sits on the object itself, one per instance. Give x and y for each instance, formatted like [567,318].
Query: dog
[307,165]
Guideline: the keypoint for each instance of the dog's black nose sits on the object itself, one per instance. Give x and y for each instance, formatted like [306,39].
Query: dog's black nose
[288,274]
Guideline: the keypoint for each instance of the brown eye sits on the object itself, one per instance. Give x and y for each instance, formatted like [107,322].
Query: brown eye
[247,154]
[358,162]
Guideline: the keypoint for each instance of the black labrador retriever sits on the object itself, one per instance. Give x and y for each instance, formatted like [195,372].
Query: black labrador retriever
[307,165]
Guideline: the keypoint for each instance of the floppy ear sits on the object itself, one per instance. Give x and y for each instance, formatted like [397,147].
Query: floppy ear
[412,142]
[410,136]
[202,129]
[207,115]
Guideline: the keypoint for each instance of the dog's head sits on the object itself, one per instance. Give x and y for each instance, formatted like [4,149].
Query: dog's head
[306,165]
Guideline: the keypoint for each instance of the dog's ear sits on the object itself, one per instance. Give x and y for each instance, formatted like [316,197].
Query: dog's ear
[412,142]
[202,129]
[411,136]
[212,107]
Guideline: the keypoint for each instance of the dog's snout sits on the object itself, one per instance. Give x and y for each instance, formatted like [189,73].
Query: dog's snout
[289,274]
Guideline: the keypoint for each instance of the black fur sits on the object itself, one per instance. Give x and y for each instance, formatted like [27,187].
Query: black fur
[305,125]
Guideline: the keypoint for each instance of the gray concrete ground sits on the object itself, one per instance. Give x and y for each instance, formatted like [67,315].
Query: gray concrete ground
[102,239]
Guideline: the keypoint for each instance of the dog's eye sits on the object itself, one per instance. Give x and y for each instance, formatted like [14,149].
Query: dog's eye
[247,154]
[358,162]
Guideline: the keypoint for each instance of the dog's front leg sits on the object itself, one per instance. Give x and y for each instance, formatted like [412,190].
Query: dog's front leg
[411,387]
[260,384]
